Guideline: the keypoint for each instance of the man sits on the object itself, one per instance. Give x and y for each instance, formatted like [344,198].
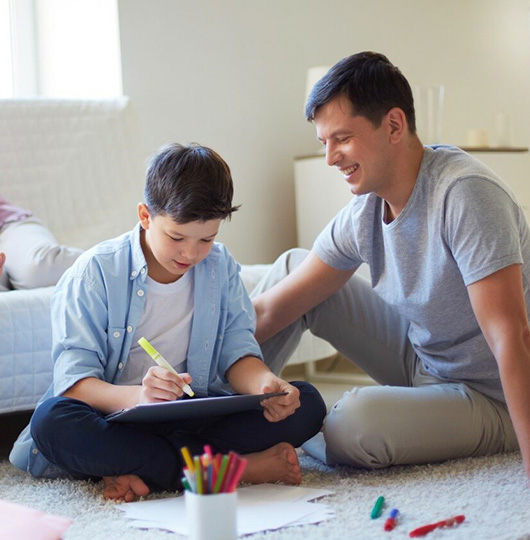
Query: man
[443,325]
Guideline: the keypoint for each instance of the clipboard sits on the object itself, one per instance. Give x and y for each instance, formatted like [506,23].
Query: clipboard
[191,408]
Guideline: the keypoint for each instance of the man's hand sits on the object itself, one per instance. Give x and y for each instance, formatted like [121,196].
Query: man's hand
[160,385]
[280,407]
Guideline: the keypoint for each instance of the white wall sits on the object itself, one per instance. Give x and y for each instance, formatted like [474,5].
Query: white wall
[231,75]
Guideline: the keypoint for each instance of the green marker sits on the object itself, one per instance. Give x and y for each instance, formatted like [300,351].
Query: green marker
[378,508]
[162,362]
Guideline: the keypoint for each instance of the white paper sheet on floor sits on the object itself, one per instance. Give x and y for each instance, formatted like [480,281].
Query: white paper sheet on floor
[259,508]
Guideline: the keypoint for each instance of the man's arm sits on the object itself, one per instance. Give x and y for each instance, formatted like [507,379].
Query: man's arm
[308,285]
[498,303]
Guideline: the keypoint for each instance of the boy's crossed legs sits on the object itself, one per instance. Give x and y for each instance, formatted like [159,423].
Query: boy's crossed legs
[134,459]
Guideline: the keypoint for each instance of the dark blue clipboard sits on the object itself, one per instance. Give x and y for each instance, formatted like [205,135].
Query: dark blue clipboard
[191,408]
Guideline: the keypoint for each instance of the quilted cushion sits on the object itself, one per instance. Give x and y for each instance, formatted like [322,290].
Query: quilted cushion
[74,163]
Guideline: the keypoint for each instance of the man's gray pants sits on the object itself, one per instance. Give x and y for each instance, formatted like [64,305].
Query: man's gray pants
[412,416]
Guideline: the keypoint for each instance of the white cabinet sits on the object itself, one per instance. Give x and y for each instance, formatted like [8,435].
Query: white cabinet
[320,192]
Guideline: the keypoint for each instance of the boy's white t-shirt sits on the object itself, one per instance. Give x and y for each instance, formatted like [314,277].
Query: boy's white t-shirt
[166,324]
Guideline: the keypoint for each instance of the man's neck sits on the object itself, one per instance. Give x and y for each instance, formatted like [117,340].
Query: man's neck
[405,176]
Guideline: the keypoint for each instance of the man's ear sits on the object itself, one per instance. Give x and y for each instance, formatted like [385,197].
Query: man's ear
[143,215]
[397,123]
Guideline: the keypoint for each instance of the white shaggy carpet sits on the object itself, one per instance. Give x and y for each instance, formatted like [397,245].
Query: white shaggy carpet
[492,492]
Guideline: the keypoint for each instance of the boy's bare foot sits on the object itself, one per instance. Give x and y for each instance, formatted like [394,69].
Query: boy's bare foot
[276,464]
[124,488]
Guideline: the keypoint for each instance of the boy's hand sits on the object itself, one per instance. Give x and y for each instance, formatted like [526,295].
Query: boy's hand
[159,385]
[280,407]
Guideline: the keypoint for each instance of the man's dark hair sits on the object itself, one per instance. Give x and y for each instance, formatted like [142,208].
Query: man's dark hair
[189,183]
[372,84]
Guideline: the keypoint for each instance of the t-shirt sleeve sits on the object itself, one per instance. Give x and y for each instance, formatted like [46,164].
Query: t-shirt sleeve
[482,227]
[336,244]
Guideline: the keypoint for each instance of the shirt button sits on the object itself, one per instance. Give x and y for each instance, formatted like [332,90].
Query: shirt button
[142,271]
[134,273]
[34,451]
[129,329]
[206,344]
[116,334]
[120,365]
[140,293]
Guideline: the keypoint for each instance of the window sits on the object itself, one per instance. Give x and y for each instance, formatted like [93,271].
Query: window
[6,69]
[60,48]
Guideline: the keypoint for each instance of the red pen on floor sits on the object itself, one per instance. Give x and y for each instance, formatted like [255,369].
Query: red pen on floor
[426,529]
[391,520]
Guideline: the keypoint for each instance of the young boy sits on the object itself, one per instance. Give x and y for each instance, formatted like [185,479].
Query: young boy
[168,281]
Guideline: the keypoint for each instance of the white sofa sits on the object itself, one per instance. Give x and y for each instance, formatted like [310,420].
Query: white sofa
[77,166]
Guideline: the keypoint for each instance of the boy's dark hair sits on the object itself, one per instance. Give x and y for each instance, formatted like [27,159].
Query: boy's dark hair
[371,83]
[189,183]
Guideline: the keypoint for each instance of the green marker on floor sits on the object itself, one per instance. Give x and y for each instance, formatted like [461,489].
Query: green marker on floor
[378,508]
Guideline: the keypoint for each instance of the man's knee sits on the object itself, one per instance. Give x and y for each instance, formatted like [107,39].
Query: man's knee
[282,267]
[358,430]
[292,258]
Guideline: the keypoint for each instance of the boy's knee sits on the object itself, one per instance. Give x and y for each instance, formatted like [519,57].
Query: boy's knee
[358,430]
[49,421]
[312,404]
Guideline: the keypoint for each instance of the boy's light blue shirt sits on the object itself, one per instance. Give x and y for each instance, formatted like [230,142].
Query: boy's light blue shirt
[98,303]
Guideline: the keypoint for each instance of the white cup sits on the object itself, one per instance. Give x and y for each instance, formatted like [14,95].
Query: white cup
[477,138]
[211,517]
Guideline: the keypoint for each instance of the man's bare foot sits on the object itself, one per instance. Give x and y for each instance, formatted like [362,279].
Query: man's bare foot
[124,488]
[276,464]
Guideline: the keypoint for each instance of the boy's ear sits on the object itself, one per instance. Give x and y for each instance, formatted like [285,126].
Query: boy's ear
[143,215]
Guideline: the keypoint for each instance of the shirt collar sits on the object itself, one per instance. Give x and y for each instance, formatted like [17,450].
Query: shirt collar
[139,264]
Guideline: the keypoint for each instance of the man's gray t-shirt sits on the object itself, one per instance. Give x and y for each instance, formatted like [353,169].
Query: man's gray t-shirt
[460,224]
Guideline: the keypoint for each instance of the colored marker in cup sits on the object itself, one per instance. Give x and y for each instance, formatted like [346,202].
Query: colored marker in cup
[162,362]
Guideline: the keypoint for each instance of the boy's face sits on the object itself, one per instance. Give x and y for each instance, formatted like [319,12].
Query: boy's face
[171,248]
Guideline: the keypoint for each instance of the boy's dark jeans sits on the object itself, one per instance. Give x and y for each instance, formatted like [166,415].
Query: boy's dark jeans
[77,438]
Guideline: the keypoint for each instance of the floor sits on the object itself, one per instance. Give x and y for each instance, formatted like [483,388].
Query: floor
[334,377]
